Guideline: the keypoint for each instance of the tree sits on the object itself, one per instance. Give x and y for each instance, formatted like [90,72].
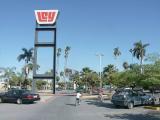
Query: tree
[125,65]
[9,73]
[62,74]
[27,56]
[116,52]
[27,68]
[84,73]
[152,57]
[66,51]
[76,77]
[125,78]
[40,84]
[89,78]
[59,50]
[131,51]
[68,72]
[16,80]
[57,79]
[139,52]
[108,71]
[20,78]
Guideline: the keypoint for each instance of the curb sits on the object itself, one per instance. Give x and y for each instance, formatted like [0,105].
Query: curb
[90,97]
[95,97]
[152,108]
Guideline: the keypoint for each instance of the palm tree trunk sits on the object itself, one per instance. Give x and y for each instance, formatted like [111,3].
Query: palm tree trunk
[26,75]
[141,62]
[86,87]
[57,65]
[65,66]
[90,91]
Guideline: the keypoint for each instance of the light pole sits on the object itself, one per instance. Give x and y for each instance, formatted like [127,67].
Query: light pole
[100,55]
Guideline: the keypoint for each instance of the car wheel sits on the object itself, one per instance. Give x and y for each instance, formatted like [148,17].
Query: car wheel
[153,102]
[1,100]
[130,105]
[19,101]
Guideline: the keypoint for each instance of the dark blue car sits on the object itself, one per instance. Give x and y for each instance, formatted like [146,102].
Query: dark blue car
[19,96]
[130,98]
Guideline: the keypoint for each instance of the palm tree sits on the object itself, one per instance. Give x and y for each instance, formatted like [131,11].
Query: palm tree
[116,52]
[62,76]
[107,73]
[66,53]
[125,65]
[85,72]
[89,78]
[109,69]
[29,67]
[27,56]
[58,55]
[131,51]
[139,51]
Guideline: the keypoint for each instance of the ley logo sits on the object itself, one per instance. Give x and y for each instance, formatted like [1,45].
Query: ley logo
[46,16]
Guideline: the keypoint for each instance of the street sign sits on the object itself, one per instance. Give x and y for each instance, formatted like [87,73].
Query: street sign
[46,17]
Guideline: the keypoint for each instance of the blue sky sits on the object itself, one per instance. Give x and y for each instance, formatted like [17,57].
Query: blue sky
[87,26]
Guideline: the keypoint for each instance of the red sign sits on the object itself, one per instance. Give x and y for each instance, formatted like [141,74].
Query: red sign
[46,16]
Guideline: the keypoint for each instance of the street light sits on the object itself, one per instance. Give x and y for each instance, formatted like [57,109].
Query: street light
[100,55]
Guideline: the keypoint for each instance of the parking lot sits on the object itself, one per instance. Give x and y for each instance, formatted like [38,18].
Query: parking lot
[63,107]
[111,112]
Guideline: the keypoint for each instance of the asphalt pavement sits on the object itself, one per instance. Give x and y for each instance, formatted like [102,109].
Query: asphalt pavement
[62,107]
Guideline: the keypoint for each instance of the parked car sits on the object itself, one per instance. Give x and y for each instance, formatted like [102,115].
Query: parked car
[19,96]
[130,98]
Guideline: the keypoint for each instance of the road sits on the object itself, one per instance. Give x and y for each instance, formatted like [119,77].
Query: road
[63,108]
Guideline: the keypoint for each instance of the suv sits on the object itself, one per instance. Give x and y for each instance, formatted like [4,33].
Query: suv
[129,98]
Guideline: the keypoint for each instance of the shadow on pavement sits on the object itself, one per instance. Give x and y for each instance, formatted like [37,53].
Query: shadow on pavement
[24,103]
[71,105]
[101,104]
[148,116]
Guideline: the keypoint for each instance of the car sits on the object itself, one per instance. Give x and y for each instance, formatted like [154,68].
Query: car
[130,98]
[19,96]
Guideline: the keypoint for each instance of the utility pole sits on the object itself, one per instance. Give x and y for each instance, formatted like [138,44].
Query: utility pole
[100,55]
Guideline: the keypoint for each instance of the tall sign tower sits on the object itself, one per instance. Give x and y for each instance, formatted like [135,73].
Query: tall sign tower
[45,22]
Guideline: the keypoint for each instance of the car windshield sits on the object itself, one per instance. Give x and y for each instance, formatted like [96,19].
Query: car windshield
[122,92]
